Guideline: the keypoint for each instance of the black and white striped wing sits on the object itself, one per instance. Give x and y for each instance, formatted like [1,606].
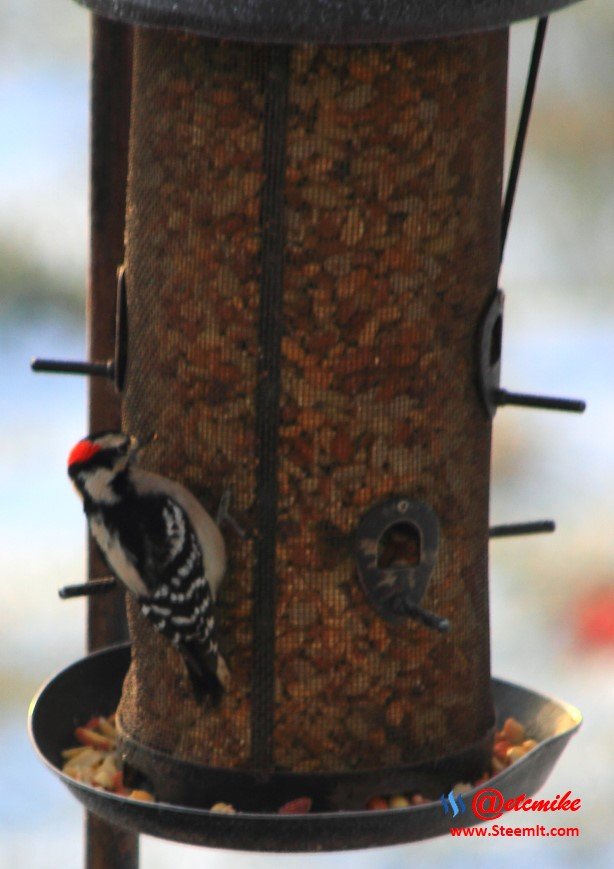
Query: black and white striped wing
[179,603]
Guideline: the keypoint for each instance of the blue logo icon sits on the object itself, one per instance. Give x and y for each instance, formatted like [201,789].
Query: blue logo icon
[455,803]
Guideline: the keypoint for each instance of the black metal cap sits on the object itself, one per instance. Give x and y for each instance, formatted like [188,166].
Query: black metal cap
[325,21]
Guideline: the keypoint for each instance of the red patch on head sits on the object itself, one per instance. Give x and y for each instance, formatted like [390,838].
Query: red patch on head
[82,452]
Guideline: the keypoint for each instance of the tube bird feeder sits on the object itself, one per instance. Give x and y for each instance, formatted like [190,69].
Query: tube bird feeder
[311,321]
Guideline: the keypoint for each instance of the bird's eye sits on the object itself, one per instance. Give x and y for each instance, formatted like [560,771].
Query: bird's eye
[121,447]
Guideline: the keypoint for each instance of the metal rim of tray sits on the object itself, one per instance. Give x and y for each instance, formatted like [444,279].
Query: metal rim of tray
[352,22]
[550,721]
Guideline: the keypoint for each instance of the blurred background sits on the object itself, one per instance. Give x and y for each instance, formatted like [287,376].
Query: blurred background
[552,596]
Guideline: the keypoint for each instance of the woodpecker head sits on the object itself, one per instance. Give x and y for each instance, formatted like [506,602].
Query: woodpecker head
[98,463]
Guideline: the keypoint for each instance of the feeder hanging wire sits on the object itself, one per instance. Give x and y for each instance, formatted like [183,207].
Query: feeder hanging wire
[521,133]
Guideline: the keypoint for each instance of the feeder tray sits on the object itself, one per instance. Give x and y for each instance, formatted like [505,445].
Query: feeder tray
[93,684]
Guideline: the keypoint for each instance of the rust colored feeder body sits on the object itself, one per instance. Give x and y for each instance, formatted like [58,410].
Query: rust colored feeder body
[312,238]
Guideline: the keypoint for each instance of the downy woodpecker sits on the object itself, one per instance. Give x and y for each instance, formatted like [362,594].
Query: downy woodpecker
[160,543]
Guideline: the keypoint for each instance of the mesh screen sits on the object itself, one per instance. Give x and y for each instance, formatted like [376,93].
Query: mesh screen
[392,181]
[193,266]
[391,254]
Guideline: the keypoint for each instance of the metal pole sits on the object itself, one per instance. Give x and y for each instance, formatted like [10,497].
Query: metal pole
[107,845]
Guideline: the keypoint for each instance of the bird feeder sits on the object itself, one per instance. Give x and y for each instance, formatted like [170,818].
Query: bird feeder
[309,319]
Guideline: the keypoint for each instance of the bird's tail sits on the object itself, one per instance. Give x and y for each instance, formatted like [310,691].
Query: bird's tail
[207,670]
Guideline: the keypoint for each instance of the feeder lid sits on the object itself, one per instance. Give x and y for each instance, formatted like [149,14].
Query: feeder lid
[325,21]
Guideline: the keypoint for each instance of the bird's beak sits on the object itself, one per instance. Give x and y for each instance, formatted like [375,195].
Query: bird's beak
[137,445]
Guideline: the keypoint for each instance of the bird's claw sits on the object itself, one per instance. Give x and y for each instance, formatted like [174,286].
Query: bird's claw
[224,517]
